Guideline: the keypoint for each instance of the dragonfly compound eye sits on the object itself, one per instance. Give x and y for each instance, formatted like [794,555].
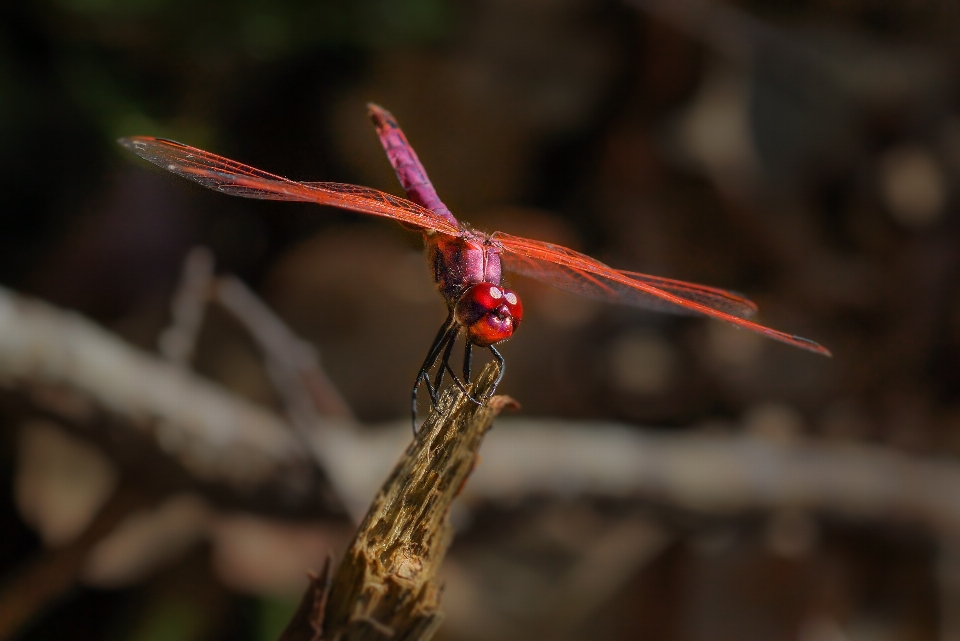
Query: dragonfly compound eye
[489,312]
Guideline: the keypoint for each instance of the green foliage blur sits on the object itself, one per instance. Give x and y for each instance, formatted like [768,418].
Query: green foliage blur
[77,74]
[122,64]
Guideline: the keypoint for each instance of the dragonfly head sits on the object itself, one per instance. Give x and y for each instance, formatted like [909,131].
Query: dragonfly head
[489,313]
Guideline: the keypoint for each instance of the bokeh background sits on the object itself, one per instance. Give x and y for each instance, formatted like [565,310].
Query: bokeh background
[804,153]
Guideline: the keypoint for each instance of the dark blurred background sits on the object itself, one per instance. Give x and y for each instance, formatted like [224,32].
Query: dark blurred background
[803,153]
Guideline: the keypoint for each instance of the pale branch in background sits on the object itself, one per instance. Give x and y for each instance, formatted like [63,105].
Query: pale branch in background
[313,405]
[66,365]
[178,341]
[291,362]
[720,474]
[704,473]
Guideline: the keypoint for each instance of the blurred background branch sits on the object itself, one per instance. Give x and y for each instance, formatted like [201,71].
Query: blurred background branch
[701,472]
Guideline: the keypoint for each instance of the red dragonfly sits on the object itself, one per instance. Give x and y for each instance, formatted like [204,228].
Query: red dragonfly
[467,264]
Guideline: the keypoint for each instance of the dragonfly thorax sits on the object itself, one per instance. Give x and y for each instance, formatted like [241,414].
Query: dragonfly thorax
[459,262]
[489,313]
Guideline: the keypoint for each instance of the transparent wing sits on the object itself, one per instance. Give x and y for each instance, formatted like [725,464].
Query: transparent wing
[576,272]
[234,178]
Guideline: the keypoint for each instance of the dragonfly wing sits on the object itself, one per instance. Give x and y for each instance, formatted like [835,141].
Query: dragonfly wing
[719,299]
[589,285]
[234,178]
[581,274]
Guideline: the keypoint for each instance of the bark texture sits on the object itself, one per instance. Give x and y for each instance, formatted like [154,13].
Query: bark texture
[386,584]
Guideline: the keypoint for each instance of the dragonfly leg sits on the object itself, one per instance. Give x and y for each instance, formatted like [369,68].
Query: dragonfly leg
[502,365]
[440,350]
[423,376]
[445,361]
[460,385]
[467,354]
[445,367]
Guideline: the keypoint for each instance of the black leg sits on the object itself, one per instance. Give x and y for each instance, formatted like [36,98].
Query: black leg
[445,367]
[467,354]
[499,358]
[460,384]
[440,350]
[445,361]
[437,344]
[424,374]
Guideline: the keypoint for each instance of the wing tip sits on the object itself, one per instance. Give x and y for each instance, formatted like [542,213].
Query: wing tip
[130,142]
[812,346]
[137,144]
[751,307]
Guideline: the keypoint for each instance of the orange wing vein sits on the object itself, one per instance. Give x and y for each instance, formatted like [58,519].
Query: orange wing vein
[581,274]
[234,178]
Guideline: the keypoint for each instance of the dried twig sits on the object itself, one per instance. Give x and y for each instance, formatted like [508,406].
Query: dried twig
[177,342]
[307,621]
[292,363]
[67,366]
[386,585]
[314,407]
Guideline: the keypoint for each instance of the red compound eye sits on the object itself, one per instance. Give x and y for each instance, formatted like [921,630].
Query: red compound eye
[489,312]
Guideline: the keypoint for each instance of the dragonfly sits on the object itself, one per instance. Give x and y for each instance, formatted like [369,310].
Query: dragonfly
[467,265]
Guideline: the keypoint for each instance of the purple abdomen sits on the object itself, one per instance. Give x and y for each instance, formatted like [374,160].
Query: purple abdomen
[412,175]
[457,261]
